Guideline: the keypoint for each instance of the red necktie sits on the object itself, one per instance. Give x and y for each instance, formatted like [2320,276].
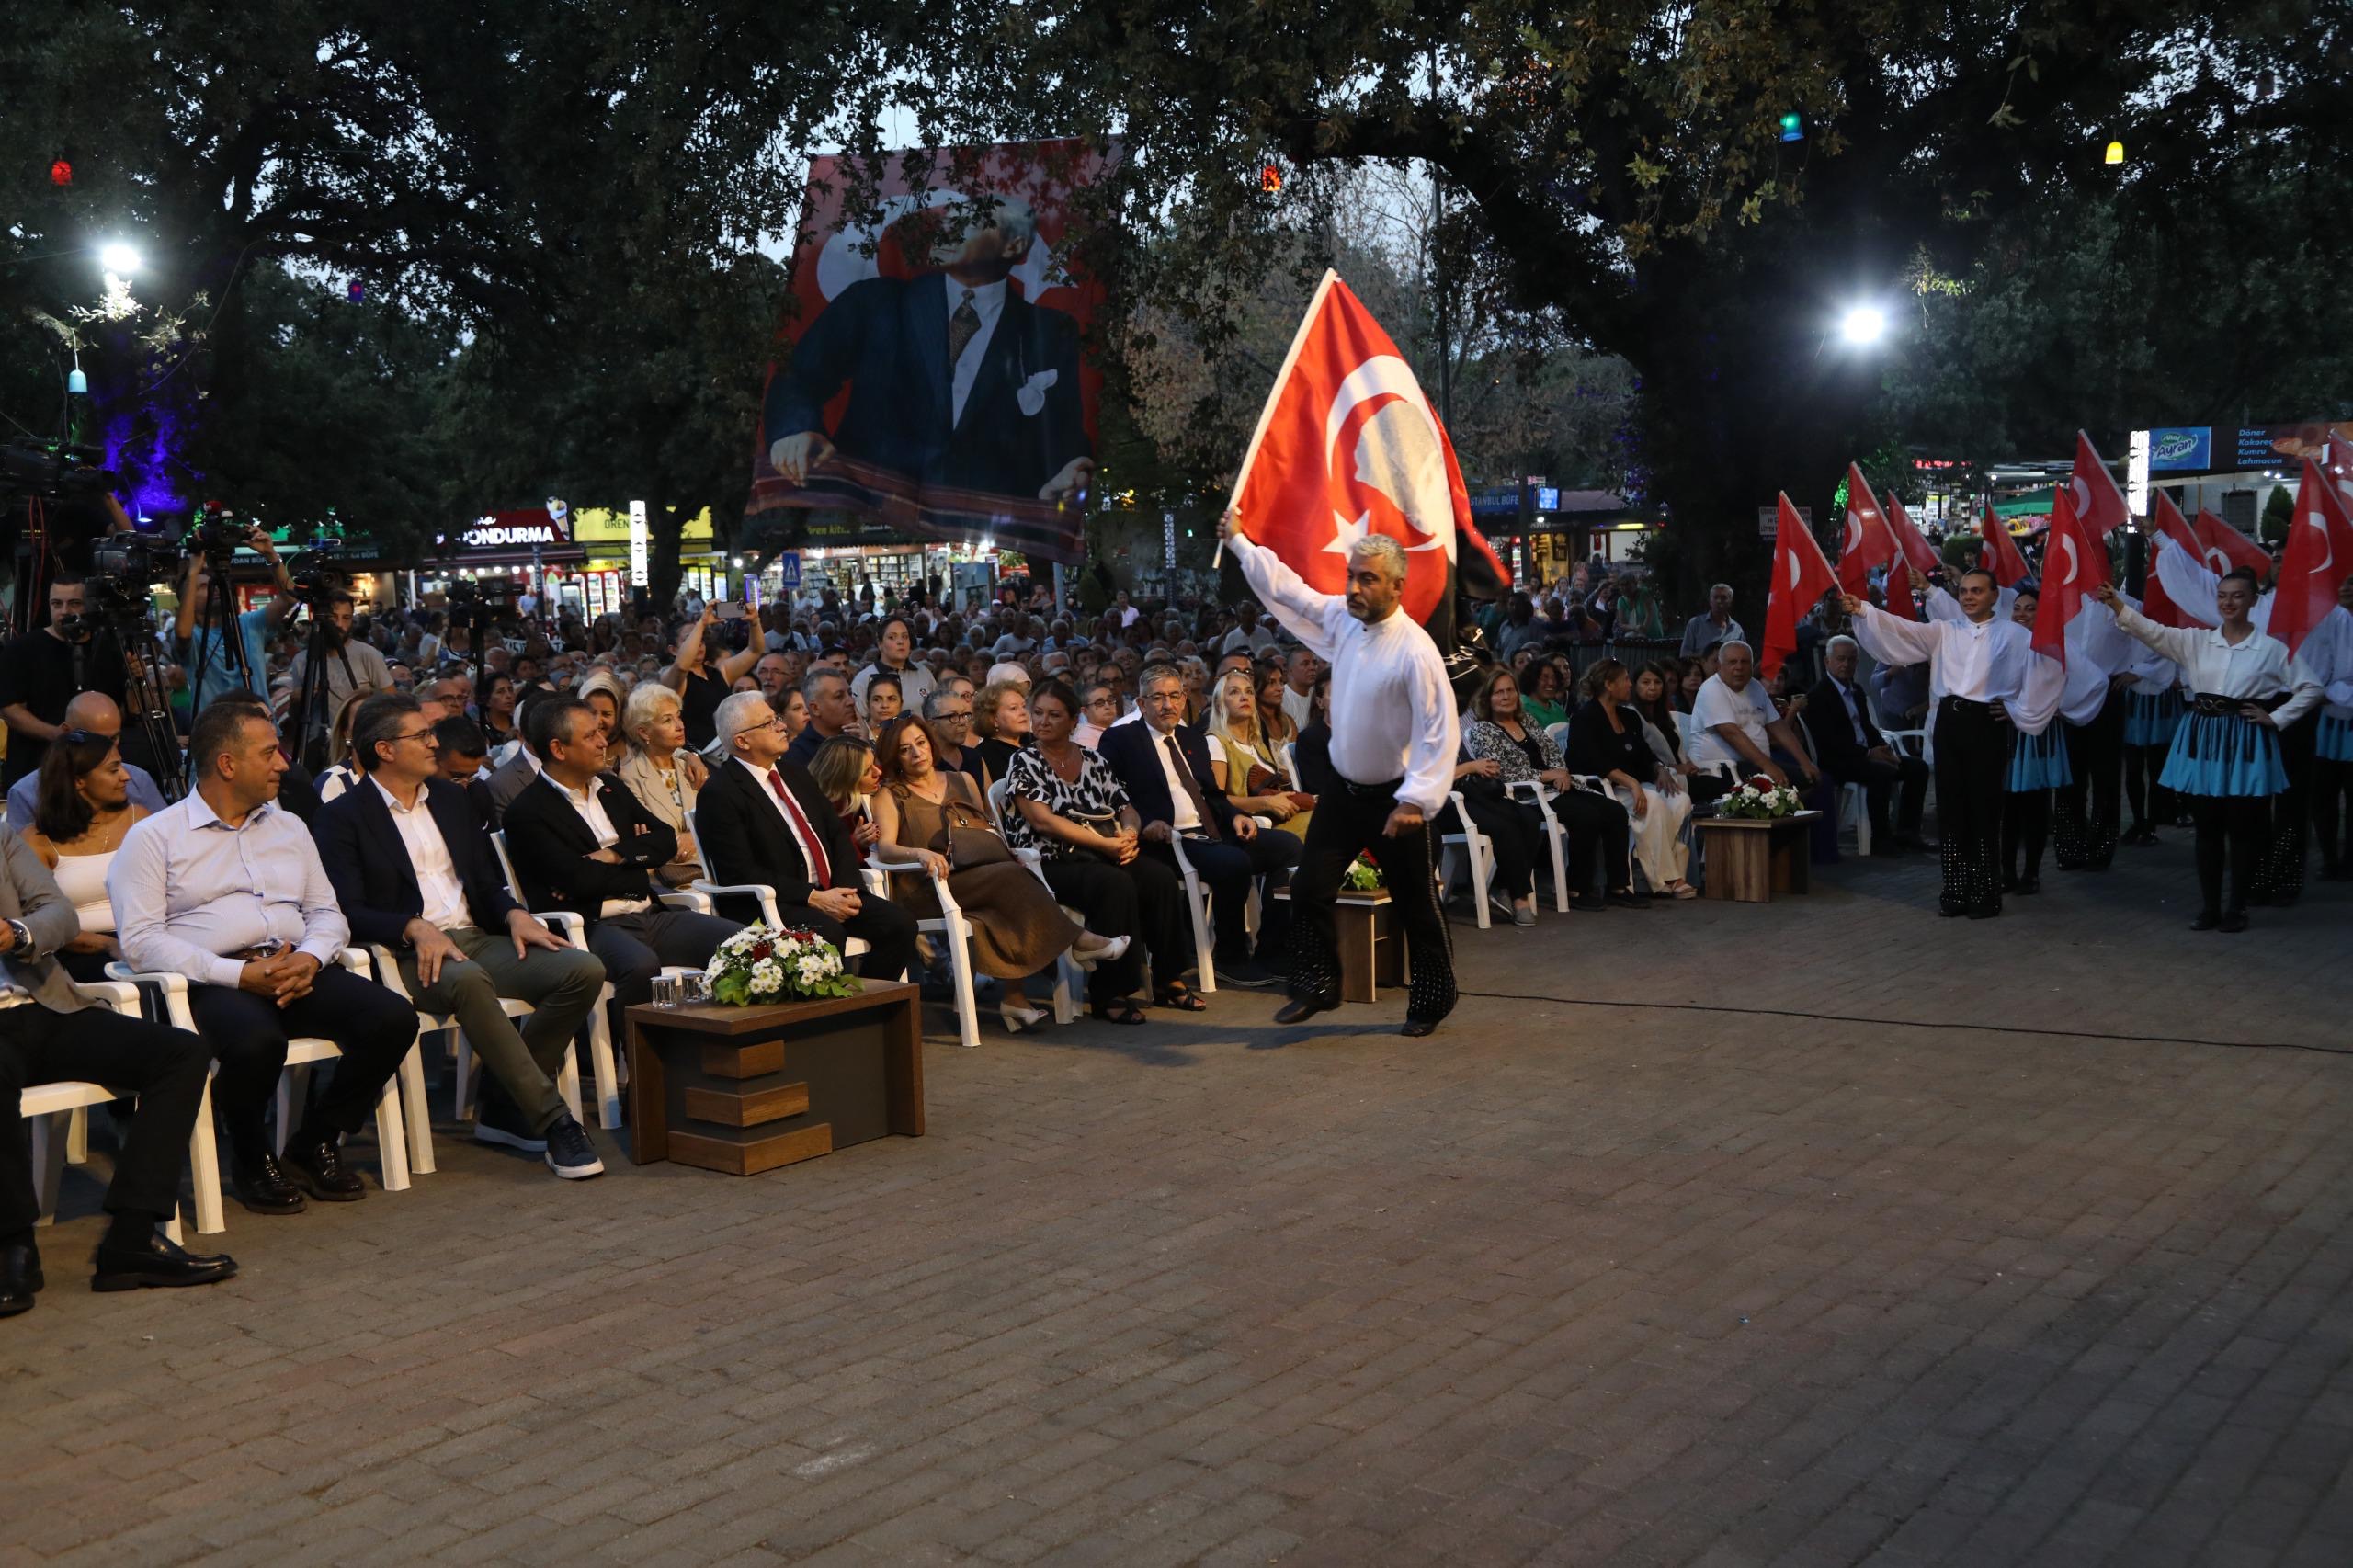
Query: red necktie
[824,876]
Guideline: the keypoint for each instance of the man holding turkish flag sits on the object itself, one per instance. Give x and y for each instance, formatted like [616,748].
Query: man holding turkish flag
[2000,554]
[1801,574]
[1349,445]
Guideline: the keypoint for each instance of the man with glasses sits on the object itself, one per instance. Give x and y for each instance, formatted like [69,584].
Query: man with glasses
[413,870]
[762,819]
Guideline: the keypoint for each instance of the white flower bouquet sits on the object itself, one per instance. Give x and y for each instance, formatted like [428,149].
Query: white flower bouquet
[760,963]
[1759,798]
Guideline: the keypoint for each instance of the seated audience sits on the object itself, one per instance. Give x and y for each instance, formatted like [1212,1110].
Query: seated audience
[1837,715]
[846,775]
[1733,721]
[225,888]
[659,770]
[415,873]
[49,1034]
[1243,762]
[77,826]
[95,714]
[1065,802]
[949,708]
[1598,827]
[580,842]
[1655,690]
[763,820]
[831,711]
[340,773]
[935,828]
[1607,741]
[1001,716]
[1164,766]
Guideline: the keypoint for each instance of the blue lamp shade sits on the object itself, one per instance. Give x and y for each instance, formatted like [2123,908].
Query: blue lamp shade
[76,383]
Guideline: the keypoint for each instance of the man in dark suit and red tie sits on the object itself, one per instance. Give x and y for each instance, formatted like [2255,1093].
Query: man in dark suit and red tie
[761,819]
[1164,763]
[956,381]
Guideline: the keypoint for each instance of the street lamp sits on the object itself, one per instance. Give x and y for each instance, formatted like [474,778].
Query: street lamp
[1862,326]
[117,260]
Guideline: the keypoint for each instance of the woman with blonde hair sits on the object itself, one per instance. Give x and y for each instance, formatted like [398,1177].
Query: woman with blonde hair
[658,770]
[1244,761]
[341,773]
[846,776]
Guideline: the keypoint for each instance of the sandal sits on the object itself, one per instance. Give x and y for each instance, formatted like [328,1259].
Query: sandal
[1181,998]
[1121,1011]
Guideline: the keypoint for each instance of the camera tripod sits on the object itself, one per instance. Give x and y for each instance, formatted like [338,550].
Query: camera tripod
[124,628]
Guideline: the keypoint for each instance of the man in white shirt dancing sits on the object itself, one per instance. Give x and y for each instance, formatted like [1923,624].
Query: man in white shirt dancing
[1393,743]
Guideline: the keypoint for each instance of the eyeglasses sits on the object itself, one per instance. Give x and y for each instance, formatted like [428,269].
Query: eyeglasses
[415,736]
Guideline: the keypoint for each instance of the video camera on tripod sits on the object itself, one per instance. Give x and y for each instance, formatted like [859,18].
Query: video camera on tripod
[54,471]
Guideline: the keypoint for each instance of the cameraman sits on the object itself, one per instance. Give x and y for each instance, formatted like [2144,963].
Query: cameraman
[41,671]
[352,664]
[204,652]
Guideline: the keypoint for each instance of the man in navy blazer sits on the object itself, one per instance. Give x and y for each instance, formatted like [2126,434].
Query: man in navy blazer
[1224,845]
[955,378]
[413,872]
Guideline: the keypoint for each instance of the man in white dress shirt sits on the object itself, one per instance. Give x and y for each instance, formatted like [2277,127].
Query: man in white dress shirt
[1984,678]
[1394,737]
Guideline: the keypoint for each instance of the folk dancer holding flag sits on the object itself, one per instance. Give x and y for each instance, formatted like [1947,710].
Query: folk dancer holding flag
[1984,680]
[2226,757]
[2328,655]
[1394,735]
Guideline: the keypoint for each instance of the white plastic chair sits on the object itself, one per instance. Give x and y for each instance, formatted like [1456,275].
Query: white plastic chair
[302,1053]
[42,1103]
[1479,853]
[1290,754]
[417,1112]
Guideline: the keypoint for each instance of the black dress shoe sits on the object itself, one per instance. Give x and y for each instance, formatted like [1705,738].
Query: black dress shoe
[1627,898]
[1586,903]
[261,1186]
[2027,885]
[317,1168]
[158,1262]
[1413,1028]
[21,1279]
[1298,1009]
[2232,923]
[1952,911]
[1248,973]
[2207,920]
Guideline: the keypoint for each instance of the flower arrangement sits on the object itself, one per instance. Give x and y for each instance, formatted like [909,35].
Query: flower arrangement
[1758,797]
[760,963]
[1363,875]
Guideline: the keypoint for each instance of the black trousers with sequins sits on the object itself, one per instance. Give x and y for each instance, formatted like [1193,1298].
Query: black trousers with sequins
[1347,821]
[1972,764]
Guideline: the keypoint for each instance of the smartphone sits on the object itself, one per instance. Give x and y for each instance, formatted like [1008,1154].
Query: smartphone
[726,611]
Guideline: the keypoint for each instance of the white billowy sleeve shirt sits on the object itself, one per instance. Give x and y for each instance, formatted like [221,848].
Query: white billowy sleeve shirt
[2255,668]
[1992,661]
[1392,712]
[2327,658]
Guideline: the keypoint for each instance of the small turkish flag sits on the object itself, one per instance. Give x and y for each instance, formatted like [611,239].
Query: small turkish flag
[1868,541]
[1801,574]
[2075,562]
[1912,551]
[2155,603]
[2316,562]
[2222,547]
[2000,553]
[1349,445]
[2099,505]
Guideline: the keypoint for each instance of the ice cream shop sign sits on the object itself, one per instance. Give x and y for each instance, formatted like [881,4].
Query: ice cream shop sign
[548,527]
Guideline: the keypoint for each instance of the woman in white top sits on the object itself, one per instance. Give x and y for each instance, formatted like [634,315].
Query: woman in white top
[341,773]
[80,814]
[2327,653]
[2225,755]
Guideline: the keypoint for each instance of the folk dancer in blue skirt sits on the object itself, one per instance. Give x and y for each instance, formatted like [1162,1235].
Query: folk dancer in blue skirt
[2225,756]
[1984,681]
[2328,654]
[2279,879]
[2153,710]
[2039,764]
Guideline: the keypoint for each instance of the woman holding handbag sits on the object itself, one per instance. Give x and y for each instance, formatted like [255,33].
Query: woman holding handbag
[1244,761]
[939,821]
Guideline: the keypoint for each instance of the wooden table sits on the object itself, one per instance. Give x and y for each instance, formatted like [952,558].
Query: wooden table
[747,1089]
[1751,858]
[1372,951]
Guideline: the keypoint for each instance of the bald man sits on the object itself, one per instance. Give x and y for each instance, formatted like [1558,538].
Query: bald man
[96,712]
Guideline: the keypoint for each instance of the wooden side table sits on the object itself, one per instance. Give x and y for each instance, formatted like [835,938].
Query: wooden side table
[1751,858]
[1372,951]
[747,1089]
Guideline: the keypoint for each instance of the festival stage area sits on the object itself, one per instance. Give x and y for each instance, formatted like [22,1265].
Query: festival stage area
[2029,1276]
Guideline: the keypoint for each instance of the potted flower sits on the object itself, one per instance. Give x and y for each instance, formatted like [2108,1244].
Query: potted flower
[761,963]
[1363,875]
[1760,798]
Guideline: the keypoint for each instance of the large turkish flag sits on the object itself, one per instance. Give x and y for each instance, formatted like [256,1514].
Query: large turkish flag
[1349,445]
[1801,574]
[2099,505]
[2318,558]
[2075,562]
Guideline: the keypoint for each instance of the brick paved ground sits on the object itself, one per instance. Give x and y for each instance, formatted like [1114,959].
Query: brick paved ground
[1577,1283]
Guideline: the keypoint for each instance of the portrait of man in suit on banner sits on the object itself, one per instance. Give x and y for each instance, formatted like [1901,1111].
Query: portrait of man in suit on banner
[932,381]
